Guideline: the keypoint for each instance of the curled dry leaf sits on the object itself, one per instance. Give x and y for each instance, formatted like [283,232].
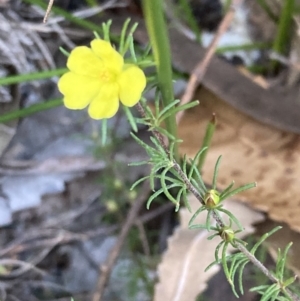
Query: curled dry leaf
[252,151]
[181,272]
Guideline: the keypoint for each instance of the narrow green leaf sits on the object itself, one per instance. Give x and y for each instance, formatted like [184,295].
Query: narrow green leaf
[147,51]
[232,217]
[243,47]
[215,176]
[185,199]
[31,76]
[171,151]
[259,288]
[106,30]
[122,37]
[153,196]
[184,163]
[159,148]
[214,235]
[198,226]
[269,292]
[138,182]
[167,108]
[167,187]
[64,52]
[217,250]
[198,176]
[207,222]
[240,275]
[210,130]
[139,163]
[194,162]
[132,49]
[289,281]
[283,261]
[200,191]
[226,190]
[143,144]
[165,133]
[225,268]
[130,118]
[175,110]
[238,190]
[263,238]
[202,208]
[31,110]
[210,265]
[283,35]
[129,39]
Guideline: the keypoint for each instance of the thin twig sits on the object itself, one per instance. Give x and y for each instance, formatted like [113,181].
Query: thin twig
[143,237]
[48,10]
[200,69]
[114,254]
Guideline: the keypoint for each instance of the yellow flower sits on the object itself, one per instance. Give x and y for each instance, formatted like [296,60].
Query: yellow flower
[98,78]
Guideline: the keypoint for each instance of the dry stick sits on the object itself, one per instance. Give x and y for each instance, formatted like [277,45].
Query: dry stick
[130,220]
[143,238]
[191,188]
[199,71]
[48,10]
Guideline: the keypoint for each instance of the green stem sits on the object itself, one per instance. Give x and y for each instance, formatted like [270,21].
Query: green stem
[31,110]
[283,34]
[31,76]
[244,47]
[157,30]
[268,10]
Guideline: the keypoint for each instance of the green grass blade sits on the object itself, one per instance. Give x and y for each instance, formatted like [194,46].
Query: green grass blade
[31,76]
[31,110]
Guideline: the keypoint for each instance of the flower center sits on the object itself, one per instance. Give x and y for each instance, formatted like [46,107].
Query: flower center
[106,76]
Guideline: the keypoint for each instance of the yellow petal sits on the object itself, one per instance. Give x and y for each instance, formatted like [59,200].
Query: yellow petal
[78,90]
[83,61]
[106,103]
[132,82]
[111,58]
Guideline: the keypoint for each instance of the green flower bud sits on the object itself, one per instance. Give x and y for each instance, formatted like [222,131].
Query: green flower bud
[111,206]
[132,195]
[118,184]
[212,198]
[227,234]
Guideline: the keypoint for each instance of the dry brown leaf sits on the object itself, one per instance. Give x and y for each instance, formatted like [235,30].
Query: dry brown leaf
[251,151]
[181,271]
